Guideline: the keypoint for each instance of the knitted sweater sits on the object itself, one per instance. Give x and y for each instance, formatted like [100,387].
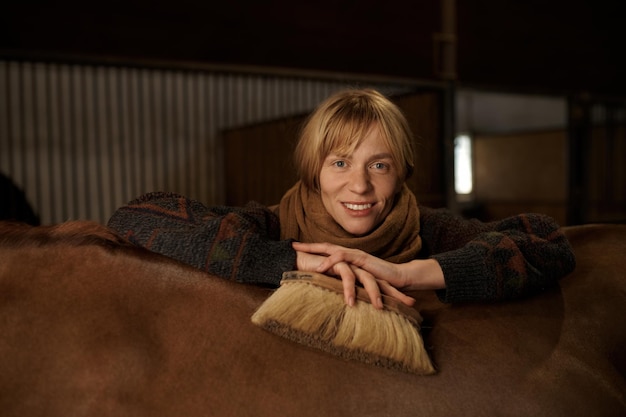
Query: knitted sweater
[516,257]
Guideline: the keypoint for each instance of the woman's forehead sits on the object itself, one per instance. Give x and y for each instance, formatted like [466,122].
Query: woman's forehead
[347,145]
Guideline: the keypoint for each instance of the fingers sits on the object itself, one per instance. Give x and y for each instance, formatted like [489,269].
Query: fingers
[348,280]
[371,287]
[350,264]
[339,268]
[312,247]
[333,254]
[349,275]
[392,291]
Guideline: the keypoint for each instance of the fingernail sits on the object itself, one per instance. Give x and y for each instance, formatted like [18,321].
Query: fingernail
[379,302]
[351,301]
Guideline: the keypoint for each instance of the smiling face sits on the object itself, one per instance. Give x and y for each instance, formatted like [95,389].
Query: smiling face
[358,189]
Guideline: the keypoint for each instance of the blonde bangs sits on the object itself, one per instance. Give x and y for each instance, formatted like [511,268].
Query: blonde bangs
[344,136]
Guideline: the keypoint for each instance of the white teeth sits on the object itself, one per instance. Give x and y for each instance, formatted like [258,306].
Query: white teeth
[358,206]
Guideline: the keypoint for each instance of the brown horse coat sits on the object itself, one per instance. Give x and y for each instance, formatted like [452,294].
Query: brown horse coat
[92,326]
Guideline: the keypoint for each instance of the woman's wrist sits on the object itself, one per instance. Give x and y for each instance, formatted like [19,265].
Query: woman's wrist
[424,274]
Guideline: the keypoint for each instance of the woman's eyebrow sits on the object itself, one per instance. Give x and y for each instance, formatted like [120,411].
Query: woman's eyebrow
[336,155]
[381,156]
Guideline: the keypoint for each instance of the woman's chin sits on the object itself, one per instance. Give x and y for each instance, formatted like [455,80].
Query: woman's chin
[357,228]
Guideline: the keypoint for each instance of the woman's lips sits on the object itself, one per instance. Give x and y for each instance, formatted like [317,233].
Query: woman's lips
[358,209]
[358,206]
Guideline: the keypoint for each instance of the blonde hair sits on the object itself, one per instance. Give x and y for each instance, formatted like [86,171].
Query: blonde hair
[340,123]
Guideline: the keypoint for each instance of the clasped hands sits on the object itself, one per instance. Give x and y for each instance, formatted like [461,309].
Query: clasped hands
[376,275]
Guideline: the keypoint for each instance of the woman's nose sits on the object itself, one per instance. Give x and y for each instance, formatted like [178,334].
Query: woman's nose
[360,181]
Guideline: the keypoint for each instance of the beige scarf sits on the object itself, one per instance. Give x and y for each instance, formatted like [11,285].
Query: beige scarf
[304,218]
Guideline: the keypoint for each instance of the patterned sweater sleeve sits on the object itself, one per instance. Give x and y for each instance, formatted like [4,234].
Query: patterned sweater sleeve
[237,243]
[508,259]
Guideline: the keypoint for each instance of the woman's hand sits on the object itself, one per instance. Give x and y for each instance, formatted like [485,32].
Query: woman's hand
[352,264]
[306,261]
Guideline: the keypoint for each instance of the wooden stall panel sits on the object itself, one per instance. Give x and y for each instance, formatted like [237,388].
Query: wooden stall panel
[606,179]
[258,163]
[525,172]
[424,114]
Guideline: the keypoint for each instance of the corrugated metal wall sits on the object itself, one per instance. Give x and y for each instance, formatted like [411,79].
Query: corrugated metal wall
[82,140]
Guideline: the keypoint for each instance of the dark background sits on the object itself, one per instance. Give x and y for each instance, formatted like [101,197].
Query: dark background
[559,47]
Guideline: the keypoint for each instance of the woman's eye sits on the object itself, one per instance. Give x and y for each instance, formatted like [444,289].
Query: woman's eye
[379,165]
[340,164]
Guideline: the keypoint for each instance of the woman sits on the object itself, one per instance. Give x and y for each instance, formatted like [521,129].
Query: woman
[351,215]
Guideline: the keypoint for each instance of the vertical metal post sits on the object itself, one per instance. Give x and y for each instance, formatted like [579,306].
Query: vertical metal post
[445,68]
[579,134]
